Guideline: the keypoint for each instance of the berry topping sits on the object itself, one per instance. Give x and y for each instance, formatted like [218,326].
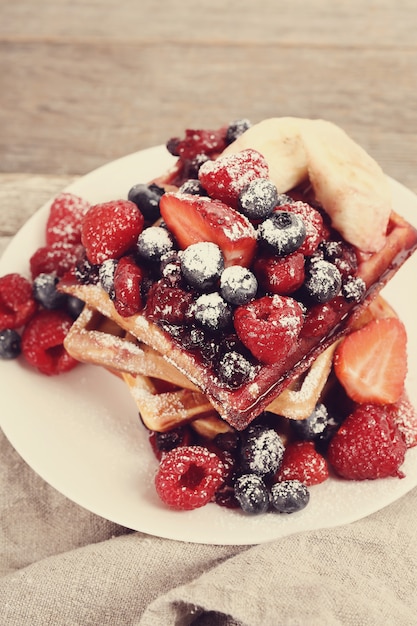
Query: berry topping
[252,494]
[323,281]
[10,344]
[238,285]
[87,273]
[282,233]
[269,327]
[405,416]
[46,293]
[127,287]
[146,198]
[354,289]
[318,426]
[262,451]
[110,229]
[57,258]
[193,187]
[368,445]
[371,363]
[289,496]
[202,264]
[168,303]
[226,177]
[281,275]
[188,477]
[192,219]
[234,369]
[212,312]
[106,276]
[154,242]
[313,222]
[42,342]
[236,129]
[198,142]
[258,199]
[302,462]
[17,304]
[64,220]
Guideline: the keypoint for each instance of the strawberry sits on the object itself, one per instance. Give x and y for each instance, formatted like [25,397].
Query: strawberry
[269,327]
[109,229]
[64,219]
[192,219]
[227,176]
[281,275]
[17,304]
[302,462]
[368,445]
[371,363]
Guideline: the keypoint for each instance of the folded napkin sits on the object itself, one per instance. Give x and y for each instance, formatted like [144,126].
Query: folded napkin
[63,566]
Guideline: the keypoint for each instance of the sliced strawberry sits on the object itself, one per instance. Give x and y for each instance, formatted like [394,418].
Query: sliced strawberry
[192,219]
[64,220]
[371,363]
[227,176]
[302,462]
[368,445]
[281,275]
[269,327]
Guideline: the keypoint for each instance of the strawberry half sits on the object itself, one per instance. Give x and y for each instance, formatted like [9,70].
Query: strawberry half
[371,363]
[192,219]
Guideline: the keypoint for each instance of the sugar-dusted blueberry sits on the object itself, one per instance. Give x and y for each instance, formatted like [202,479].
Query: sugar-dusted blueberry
[106,275]
[74,306]
[237,128]
[262,450]
[154,242]
[258,199]
[315,425]
[193,187]
[238,285]
[332,250]
[86,272]
[289,496]
[323,281]
[212,311]
[284,199]
[146,198]
[170,268]
[10,344]
[282,232]
[45,291]
[252,494]
[234,369]
[354,289]
[202,264]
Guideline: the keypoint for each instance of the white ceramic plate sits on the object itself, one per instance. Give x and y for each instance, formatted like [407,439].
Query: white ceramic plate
[80,431]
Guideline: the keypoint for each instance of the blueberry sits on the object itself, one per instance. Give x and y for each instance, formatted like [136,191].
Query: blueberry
[314,426]
[283,199]
[154,242]
[252,494]
[289,496]
[323,281]
[46,293]
[10,344]
[170,268]
[354,289]
[283,232]
[74,306]
[234,369]
[262,450]
[237,128]
[212,312]
[238,285]
[202,264]
[86,273]
[193,187]
[146,198]
[332,250]
[258,199]
[106,276]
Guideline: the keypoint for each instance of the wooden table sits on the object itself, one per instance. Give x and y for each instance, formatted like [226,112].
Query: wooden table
[82,83]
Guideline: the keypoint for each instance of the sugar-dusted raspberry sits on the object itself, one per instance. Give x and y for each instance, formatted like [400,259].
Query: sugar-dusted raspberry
[17,304]
[57,258]
[168,303]
[64,219]
[42,342]
[110,229]
[188,477]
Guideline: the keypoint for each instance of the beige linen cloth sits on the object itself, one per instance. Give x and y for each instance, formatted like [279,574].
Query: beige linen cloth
[63,566]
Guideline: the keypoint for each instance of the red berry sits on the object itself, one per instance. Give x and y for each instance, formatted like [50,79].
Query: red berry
[64,220]
[281,275]
[269,327]
[368,445]
[110,229]
[198,142]
[371,363]
[168,303]
[17,304]
[127,287]
[405,416]
[313,222]
[302,462]
[193,219]
[227,176]
[42,342]
[188,477]
[57,258]
[320,319]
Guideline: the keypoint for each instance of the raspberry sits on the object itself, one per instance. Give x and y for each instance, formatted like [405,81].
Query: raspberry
[127,287]
[405,416]
[167,303]
[110,229]
[302,462]
[64,220]
[368,445]
[188,477]
[281,275]
[313,222]
[17,304]
[42,342]
[197,142]
[57,258]
[269,327]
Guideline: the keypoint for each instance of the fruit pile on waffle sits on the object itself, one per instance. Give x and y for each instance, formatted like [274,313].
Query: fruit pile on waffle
[237,295]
